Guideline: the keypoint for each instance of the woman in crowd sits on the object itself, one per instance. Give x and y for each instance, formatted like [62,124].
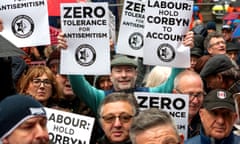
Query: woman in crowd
[40,83]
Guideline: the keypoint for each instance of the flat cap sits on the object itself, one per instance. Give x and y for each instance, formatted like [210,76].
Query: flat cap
[232,47]
[219,98]
[216,64]
[122,60]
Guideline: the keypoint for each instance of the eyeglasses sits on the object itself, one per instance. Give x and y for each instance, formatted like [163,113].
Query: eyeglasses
[124,118]
[217,43]
[46,82]
[192,95]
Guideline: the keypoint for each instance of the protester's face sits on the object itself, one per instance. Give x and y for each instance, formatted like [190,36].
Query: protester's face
[217,45]
[233,55]
[40,88]
[64,85]
[217,123]
[105,83]
[116,128]
[193,86]
[163,134]
[31,131]
[227,34]
[123,77]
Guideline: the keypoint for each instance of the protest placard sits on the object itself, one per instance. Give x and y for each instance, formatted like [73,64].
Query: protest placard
[25,22]
[131,33]
[86,28]
[166,23]
[176,104]
[68,128]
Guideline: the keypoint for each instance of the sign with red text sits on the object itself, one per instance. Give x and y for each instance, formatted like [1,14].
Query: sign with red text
[68,128]
[25,22]
[166,23]
[176,104]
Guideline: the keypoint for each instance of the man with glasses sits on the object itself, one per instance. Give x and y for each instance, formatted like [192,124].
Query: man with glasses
[218,116]
[215,44]
[190,83]
[115,116]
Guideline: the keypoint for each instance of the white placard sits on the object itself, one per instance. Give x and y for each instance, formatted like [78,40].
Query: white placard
[131,33]
[176,104]
[25,22]
[86,28]
[64,127]
[166,23]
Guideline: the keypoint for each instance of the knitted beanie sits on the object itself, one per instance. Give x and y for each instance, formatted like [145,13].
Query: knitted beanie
[15,109]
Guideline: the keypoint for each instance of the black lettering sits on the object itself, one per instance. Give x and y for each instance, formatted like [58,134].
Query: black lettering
[77,12]
[154,102]
[142,100]
[165,103]
[179,103]
[67,11]
[129,5]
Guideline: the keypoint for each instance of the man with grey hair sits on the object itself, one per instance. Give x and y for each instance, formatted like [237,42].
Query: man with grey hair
[154,126]
[115,116]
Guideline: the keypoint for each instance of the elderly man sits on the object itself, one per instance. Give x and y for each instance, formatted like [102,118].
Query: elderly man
[115,115]
[22,121]
[154,126]
[190,83]
[218,116]
[219,72]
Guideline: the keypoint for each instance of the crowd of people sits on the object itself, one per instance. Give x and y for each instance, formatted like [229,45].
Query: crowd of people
[210,83]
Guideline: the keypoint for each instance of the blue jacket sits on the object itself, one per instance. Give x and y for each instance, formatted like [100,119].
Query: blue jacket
[203,139]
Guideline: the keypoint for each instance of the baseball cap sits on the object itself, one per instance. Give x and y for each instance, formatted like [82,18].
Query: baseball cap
[219,98]
[15,109]
[122,60]
[217,63]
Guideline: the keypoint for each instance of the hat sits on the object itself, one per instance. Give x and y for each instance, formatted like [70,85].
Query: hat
[211,25]
[15,109]
[232,47]
[227,27]
[219,98]
[217,63]
[122,60]
[196,52]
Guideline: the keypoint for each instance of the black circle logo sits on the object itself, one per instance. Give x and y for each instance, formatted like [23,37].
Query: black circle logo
[166,52]
[136,41]
[22,26]
[85,55]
